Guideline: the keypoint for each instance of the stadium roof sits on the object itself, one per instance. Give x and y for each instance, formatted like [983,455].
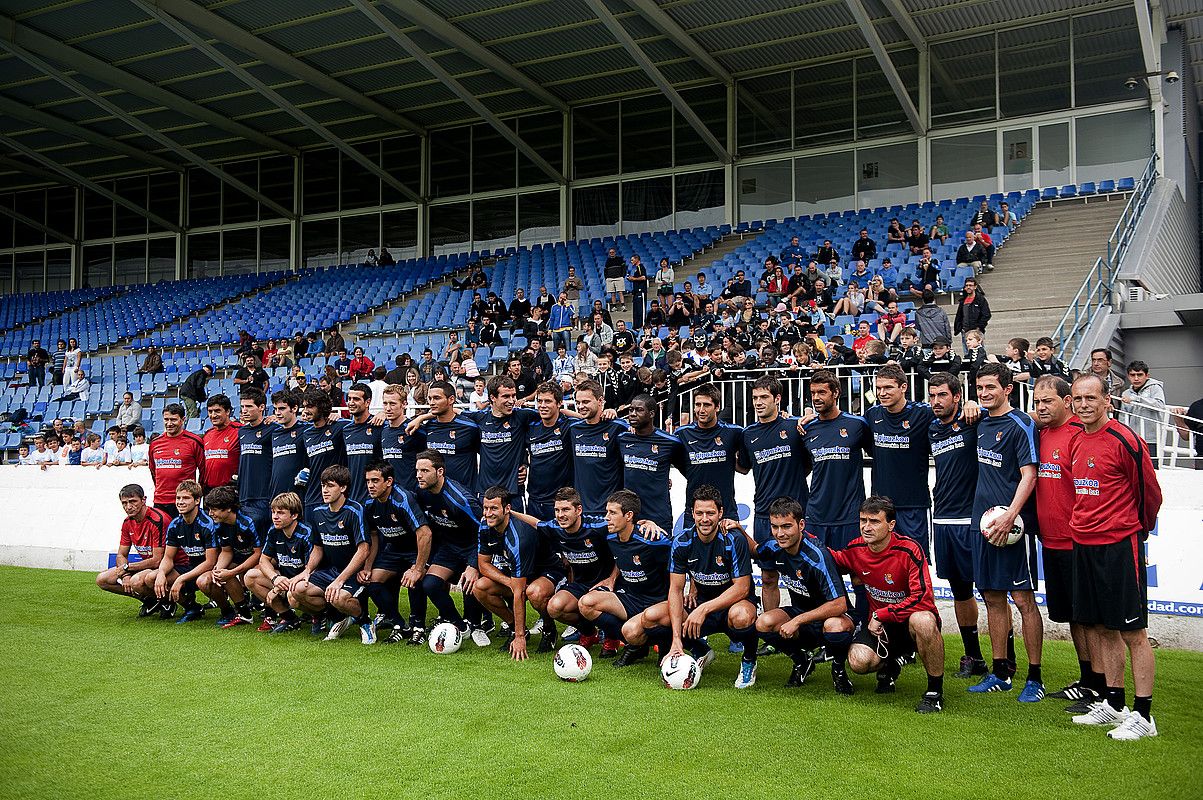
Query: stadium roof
[105,87]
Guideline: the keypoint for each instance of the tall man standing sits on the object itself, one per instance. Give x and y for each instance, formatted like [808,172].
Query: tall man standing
[175,455]
[255,460]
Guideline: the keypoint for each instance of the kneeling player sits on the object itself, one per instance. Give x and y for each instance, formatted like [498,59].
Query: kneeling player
[194,535]
[399,554]
[517,563]
[714,555]
[902,608]
[286,551]
[240,548]
[819,615]
[581,541]
[143,531]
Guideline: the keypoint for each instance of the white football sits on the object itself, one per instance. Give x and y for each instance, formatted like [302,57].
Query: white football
[572,663]
[681,672]
[992,514]
[444,639]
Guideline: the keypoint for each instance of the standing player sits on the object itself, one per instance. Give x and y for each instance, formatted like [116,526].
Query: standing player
[399,553]
[648,455]
[397,447]
[194,535]
[581,542]
[175,456]
[836,442]
[452,435]
[954,451]
[255,459]
[221,444]
[288,443]
[285,554]
[903,616]
[241,544]
[773,448]
[362,438]
[143,531]
[503,438]
[324,447]
[711,451]
[642,577]
[596,461]
[549,453]
[1115,508]
[1007,456]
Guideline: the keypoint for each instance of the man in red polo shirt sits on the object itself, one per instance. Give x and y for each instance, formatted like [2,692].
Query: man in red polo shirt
[175,455]
[221,444]
[144,532]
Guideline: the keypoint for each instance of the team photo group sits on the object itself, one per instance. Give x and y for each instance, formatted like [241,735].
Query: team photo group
[304,519]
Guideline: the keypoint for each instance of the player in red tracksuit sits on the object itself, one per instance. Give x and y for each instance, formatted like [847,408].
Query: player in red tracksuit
[143,536]
[221,445]
[175,455]
[1116,501]
[902,607]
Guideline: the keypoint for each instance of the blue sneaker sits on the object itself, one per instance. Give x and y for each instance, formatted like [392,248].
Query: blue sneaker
[570,635]
[991,683]
[225,620]
[1033,692]
[191,615]
[735,647]
[284,626]
[747,675]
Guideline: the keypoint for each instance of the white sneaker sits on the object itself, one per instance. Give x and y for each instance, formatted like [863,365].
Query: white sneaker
[339,628]
[746,678]
[367,633]
[537,628]
[1101,713]
[706,658]
[1133,728]
[480,638]
[568,633]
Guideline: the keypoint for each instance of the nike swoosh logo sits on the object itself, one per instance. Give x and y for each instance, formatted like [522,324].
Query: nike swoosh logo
[1018,583]
[1130,621]
[865,572]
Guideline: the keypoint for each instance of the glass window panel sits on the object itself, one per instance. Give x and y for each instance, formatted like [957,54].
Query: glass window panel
[60,209]
[129,263]
[274,248]
[161,259]
[494,224]
[647,133]
[275,181]
[544,133]
[964,166]
[450,228]
[647,205]
[1017,160]
[204,199]
[204,255]
[1033,69]
[700,199]
[887,175]
[165,196]
[131,222]
[401,233]
[360,186]
[33,205]
[1054,154]
[30,272]
[878,112]
[1107,53]
[450,162]
[238,206]
[710,104]
[1113,145]
[320,180]
[319,242]
[595,135]
[6,272]
[6,228]
[538,218]
[766,191]
[494,160]
[98,265]
[825,183]
[595,211]
[962,80]
[763,114]
[822,104]
[401,157]
[360,234]
[238,251]
[98,216]
[58,269]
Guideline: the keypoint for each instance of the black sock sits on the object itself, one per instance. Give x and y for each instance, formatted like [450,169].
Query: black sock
[935,683]
[586,628]
[436,589]
[837,647]
[611,625]
[288,616]
[333,614]
[696,647]
[475,613]
[386,597]
[1115,697]
[860,611]
[1098,682]
[788,646]
[749,639]
[1084,670]
[973,646]
[364,615]
[1001,669]
[417,607]
[1144,706]
[1011,645]
[1034,673]
[244,607]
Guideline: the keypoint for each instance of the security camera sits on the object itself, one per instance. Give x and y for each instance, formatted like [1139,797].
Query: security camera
[1131,83]
[1172,77]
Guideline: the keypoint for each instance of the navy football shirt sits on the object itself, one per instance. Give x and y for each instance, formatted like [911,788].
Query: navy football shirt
[338,533]
[779,460]
[587,550]
[811,575]
[192,538]
[396,520]
[400,449]
[711,457]
[288,457]
[954,449]
[362,440]
[255,461]
[550,459]
[454,514]
[646,463]
[291,553]
[458,441]
[596,462]
[900,453]
[324,447]
[1004,444]
[241,537]
[519,550]
[837,481]
[502,446]
[711,566]
[642,565]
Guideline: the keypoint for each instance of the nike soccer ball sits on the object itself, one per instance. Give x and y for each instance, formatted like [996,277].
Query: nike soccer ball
[681,672]
[444,639]
[992,514]
[572,663]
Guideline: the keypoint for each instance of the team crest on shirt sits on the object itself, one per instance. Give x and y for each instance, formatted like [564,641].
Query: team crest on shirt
[998,436]
[588,543]
[799,573]
[1090,461]
[506,425]
[1057,454]
[718,440]
[177,451]
[655,448]
[889,576]
[394,516]
[328,434]
[369,430]
[906,424]
[718,560]
[341,524]
[294,434]
[844,432]
[258,434]
[636,559]
[450,434]
[605,437]
[555,431]
[783,435]
[956,426]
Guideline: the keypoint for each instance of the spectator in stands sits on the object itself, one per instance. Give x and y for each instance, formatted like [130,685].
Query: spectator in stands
[917,239]
[298,380]
[942,359]
[891,323]
[939,231]
[864,248]
[397,373]
[270,349]
[378,384]
[572,290]
[386,258]
[827,254]
[1006,217]
[984,216]
[519,310]
[129,413]
[370,259]
[451,350]
[927,275]
[332,390]
[983,238]
[656,318]
[478,400]
[93,454]
[563,363]
[296,348]
[796,288]
[361,366]
[793,253]
[1015,358]
[57,360]
[478,308]
[975,355]
[895,233]
[775,285]
[490,335]
[1101,366]
[666,279]
[251,376]
[116,434]
[637,277]
[835,275]
[314,346]
[615,273]
[602,335]
[246,345]
[1189,422]
[23,457]
[140,449]
[971,253]
[864,335]
[860,273]
[889,274]
[877,296]
[741,287]
[429,370]
[702,288]
[973,312]
[1143,406]
[78,388]
[36,359]
[334,340]
[495,309]
[562,320]
[535,330]
[42,455]
[931,321]
[544,301]
[1045,362]
[598,308]
[475,279]
[73,361]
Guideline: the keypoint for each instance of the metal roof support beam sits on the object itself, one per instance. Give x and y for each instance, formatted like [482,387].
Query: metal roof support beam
[227,32]
[887,66]
[1150,41]
[93,67]
[140,126]
[390,29]
[194,39]
[1150,48]
[653,13]
[33,223]
[657,77]
[938,70]
[32,171]
[76,179]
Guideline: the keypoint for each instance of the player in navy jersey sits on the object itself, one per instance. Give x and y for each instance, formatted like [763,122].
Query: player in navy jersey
[642,577]
[254,459]
[549,452]
[328,583]
[1007,456]
[288,444]
[581,542]
[596,461]
[648,455]
[397,447]
[398,555]
[453,513]
[324,446]
[837,443]
[711,451]
[954,450]
[195,535]
[286,551]
[818,614]
[454,436]
[713,555]
[517,563]
[241,542]
[503,438]
[774,450]
[361,437]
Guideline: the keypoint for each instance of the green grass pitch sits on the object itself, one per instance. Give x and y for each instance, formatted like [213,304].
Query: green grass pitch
[99,704]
